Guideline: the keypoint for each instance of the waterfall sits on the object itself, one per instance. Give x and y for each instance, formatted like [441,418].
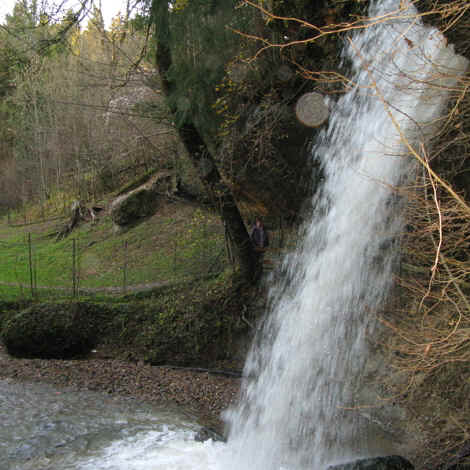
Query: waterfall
[299,405]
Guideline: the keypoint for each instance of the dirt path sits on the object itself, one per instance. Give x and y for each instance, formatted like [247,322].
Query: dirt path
[97,290]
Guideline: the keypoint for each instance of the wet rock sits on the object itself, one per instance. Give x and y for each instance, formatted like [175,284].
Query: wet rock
[205,434]
[390,462]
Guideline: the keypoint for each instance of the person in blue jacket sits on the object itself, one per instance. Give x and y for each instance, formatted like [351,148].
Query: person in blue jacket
[259,236]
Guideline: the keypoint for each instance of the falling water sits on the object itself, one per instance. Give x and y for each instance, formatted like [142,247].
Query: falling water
[299,403]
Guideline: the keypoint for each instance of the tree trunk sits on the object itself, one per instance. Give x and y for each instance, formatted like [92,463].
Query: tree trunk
[201,157]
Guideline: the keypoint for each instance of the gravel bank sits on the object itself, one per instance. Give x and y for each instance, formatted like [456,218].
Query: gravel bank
[200,393]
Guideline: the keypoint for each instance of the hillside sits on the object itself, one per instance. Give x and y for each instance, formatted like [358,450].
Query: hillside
[180,241]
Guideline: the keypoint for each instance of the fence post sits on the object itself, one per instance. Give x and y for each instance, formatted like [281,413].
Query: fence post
[175,246]
[74,267]
[124,275]
[35,270]
[30,257]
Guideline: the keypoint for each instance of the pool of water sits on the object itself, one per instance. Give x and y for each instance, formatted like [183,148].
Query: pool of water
[44,428]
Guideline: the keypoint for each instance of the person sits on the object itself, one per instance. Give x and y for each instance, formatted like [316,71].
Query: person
[259,236]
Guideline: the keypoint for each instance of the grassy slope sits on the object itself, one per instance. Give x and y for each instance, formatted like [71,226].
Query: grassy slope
[180,241]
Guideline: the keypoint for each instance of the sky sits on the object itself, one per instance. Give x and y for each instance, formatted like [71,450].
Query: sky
[109,8]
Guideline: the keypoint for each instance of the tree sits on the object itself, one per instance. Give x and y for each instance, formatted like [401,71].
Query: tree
[190,117]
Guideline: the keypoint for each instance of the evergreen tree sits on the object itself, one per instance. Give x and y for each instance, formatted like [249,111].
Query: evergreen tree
[193,46]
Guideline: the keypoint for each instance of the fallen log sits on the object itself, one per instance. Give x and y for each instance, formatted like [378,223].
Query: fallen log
[79,212]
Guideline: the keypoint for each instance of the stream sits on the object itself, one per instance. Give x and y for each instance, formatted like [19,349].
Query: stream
[44,428]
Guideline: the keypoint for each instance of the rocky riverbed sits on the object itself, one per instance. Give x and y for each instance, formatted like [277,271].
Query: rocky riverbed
[202,394]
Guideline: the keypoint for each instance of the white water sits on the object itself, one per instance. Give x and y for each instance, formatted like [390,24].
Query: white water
[300,408]
[305,369]
[44,428]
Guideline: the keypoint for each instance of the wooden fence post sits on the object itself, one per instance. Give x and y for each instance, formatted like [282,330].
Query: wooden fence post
[124,277]
[30,257]
[228,246]
[74,268]
[175,247]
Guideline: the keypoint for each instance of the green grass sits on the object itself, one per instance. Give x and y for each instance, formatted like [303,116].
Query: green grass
[179,242]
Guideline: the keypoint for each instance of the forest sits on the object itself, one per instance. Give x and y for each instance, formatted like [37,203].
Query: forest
[71,92]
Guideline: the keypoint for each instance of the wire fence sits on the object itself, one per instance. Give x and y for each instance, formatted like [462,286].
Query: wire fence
[24,218]
[37,267]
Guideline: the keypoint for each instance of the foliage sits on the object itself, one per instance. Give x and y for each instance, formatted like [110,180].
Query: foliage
[202,248]
[191,324]
[428,333]
[51,331]
[205,45]
[78,109]
[188,324]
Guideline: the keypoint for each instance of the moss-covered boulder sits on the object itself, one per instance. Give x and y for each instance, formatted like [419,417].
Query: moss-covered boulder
[7,308]
[132,207]
[51,330]
[141,202]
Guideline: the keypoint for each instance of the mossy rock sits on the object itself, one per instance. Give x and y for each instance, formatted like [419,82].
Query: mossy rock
[390,462]
[8,307]
[133,207]
[51,330]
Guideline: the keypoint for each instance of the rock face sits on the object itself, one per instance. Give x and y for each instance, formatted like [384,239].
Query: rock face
[205,434]
[50,331]
[390,462]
